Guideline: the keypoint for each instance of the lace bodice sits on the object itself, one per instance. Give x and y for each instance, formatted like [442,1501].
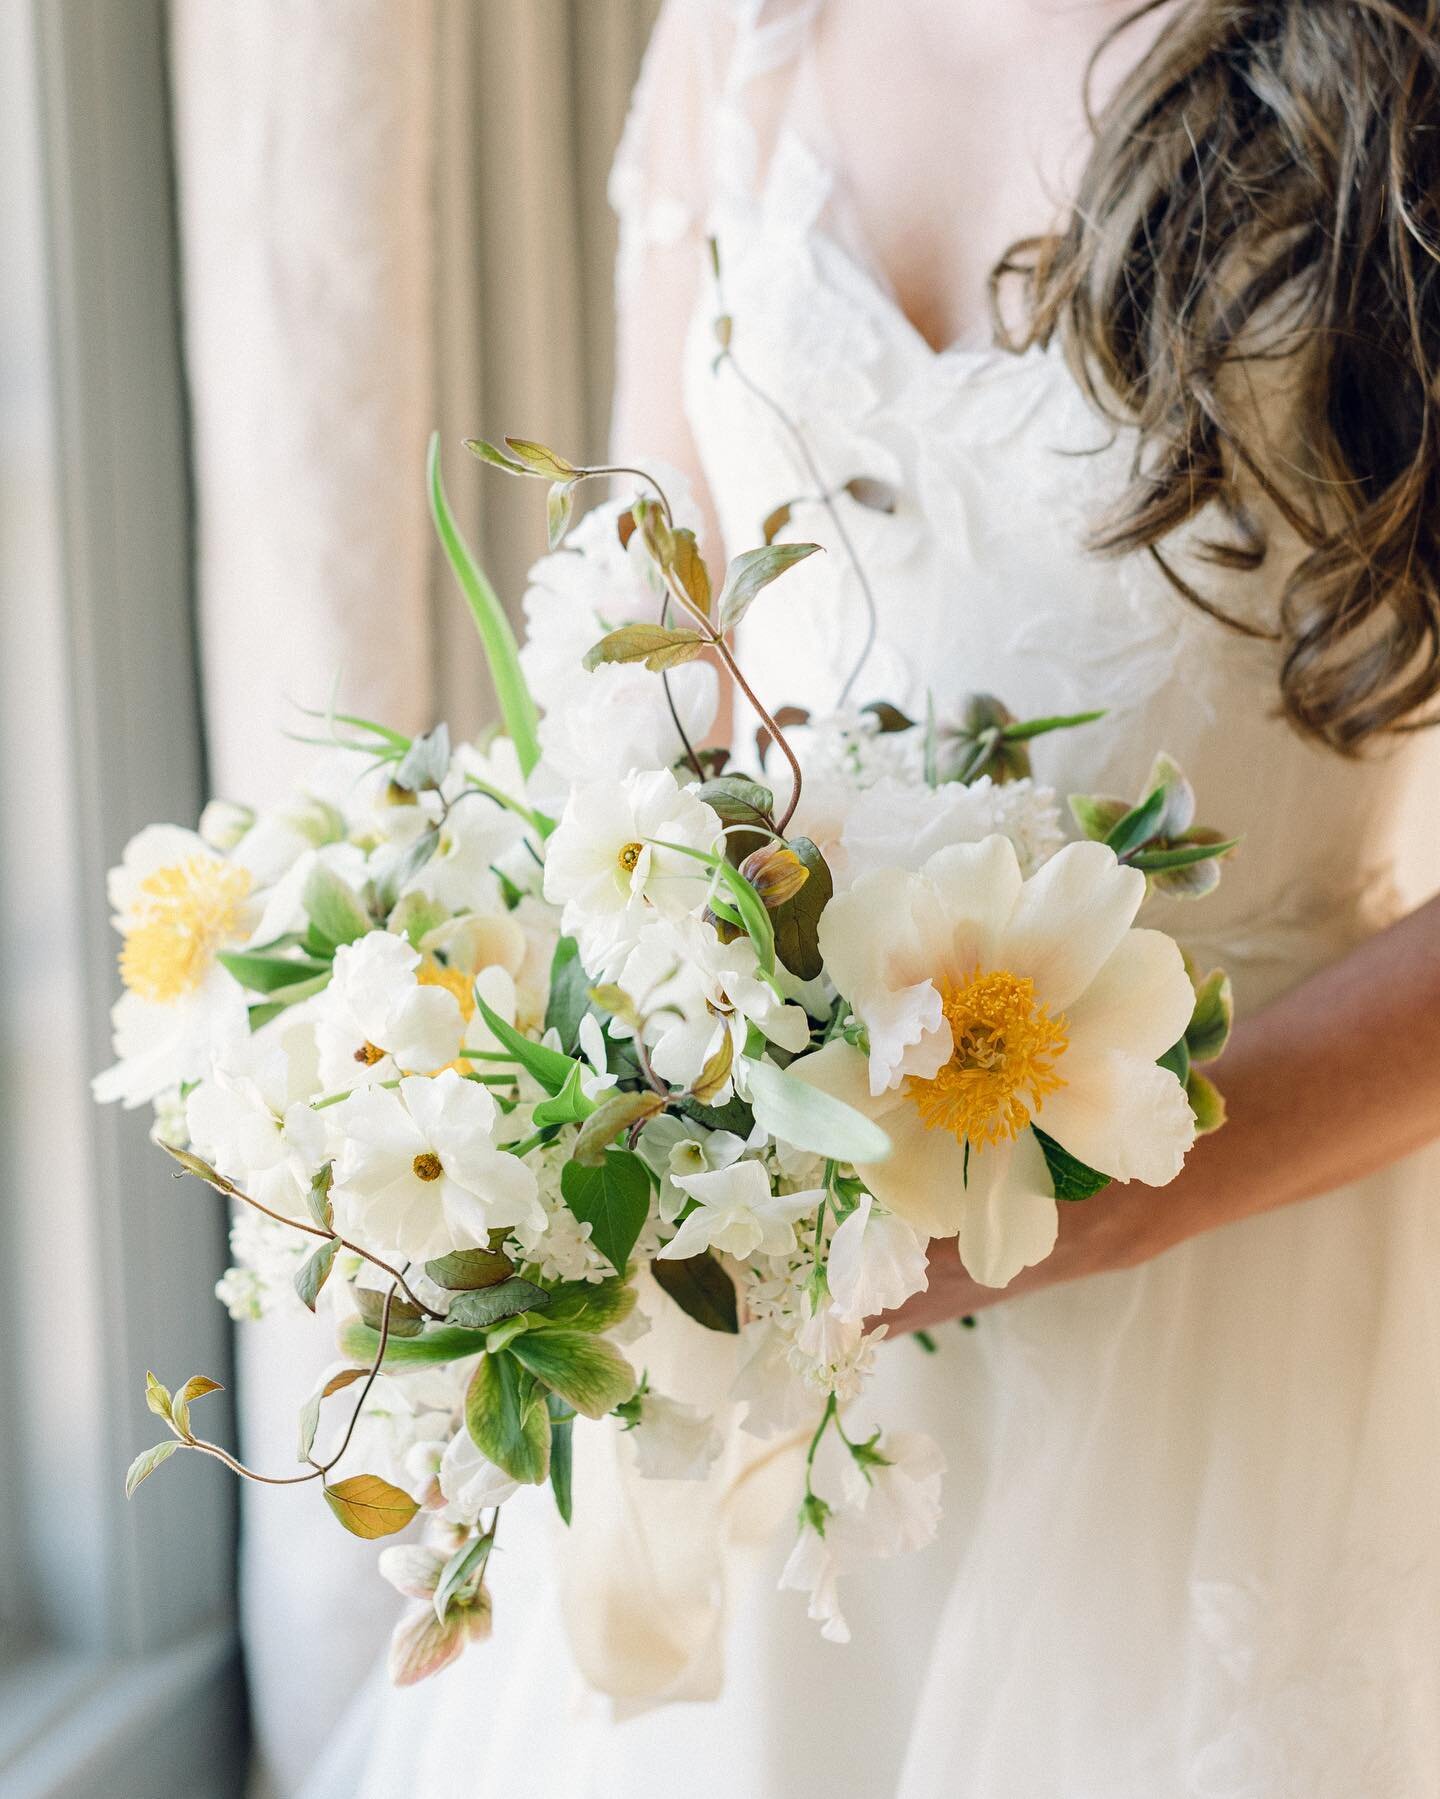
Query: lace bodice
[999,465]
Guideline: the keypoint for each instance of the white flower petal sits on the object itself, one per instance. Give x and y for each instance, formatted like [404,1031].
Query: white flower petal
[1010,1218]
[1121,1114]
[1069,920]
[1140,1001]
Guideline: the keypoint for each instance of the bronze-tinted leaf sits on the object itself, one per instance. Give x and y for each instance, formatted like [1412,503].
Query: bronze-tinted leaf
[751,572]
[715,1075]
[540,459]
[659,647]
[776,522]
[690,570]
[405,1320]
[370,1507]
[874,495]
[797,921]
[559,505]
[464,1270]
[619,1112]
[313,1272]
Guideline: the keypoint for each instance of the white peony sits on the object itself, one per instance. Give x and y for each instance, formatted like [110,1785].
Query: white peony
[738,1214]
[377,1020]
[993,1003]
[419,1173]
[251,1117]
[176,904]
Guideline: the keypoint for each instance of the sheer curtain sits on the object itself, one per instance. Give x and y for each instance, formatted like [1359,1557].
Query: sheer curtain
[392,220]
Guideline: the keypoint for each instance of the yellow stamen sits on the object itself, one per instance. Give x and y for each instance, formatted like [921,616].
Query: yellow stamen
[427,1166]
[183,915]
[433,973]
[630,854]
[1006,1046]
[369,1054]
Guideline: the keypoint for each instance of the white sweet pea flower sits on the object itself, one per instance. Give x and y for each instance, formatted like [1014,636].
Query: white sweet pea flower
[376,1019]
[776,1397]
[893,1507]
[176,904]
[673,1145]
[477,833]
[876,1262]
[738,1214]
[993,1003]
[813,1568]
[604,864]
[419,1173]
[674,1441]
[696,990]
[470,1481]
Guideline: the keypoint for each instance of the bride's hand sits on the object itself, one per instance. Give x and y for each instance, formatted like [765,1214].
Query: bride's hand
[1119,1228]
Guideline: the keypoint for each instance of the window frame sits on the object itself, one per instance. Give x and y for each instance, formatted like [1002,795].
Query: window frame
[129,1681]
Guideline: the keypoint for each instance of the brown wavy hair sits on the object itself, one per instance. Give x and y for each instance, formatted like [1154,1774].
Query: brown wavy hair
[1264,188]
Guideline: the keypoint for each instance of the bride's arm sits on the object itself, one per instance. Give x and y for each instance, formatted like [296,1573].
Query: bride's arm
[1328,1084]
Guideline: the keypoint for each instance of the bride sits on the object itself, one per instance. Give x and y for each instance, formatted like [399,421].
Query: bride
[1158,390]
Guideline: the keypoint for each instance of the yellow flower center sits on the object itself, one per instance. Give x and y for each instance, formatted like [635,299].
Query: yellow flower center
[630,854]
[369,1054]
[427,1166]
[1006,1046]
[183,915]
[433,973]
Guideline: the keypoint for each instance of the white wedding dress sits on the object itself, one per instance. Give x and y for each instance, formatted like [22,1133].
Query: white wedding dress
[1192,1531]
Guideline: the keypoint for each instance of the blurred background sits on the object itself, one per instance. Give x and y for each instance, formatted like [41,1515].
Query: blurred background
[251,253]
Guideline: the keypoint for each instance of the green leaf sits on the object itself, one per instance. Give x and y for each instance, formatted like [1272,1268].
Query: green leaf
[307,1425]
[748,903]
[359,1343]
[1139,824]
[506,1416]
[790,1108]
[1209,1028]
[616,1112]
[570,1105]
[415,916]
[562,1429]
[548,1066]
[467,1270]
[268,973]
[517,707]
[370,1507]
[613,1199]
[147,1462]
[1181,856]
[738,800]
[659,647]
[1097,814]
[569,998]
[753,571]
[702,1289]
[1024,729]
[483,1306]
[332,908]
[157,1398]
[317,1197]
[1072,1179]
[540,459]
[313,1272]
[468,1560]
[735,1116]
[797,922]
[559,507]
[1177,1060]
[587,1371]
[589,1305]
[477,446]
[1206,1102]
[405,1319]
[288,996]
[1179,812]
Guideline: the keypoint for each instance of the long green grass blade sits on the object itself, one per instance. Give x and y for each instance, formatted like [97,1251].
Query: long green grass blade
[517,707]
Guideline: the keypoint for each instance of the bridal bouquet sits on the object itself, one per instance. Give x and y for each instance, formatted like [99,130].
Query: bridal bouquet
[499,1049]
